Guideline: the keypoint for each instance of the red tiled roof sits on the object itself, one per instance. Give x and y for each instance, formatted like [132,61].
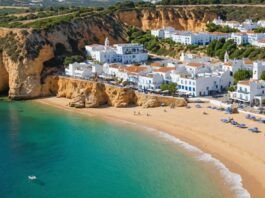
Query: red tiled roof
[165,69]
[195,65]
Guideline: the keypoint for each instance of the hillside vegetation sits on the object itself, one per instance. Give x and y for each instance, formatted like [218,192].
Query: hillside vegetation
[197,2]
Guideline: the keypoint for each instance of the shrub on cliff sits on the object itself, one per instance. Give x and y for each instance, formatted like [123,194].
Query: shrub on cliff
[218,48]
[211,27]
[242,75]
[71,59]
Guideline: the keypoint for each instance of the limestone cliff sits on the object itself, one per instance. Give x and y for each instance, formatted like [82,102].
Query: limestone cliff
[28,56]
[93,94]
[181,18]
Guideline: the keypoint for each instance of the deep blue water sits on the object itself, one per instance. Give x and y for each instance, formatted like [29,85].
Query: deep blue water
[77,156]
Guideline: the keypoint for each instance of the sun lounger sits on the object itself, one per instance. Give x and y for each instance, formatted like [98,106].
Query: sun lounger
[234,123]
[242,126]
[198,106]
[254,130]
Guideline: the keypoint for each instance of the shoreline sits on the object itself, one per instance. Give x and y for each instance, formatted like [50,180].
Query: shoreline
[242,152]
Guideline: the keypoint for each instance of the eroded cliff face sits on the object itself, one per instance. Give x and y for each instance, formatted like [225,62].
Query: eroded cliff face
[181,18]
[93,94]
[28,56]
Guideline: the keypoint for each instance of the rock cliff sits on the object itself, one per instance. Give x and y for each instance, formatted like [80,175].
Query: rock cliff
[28,56]
[93,94]
[190,18]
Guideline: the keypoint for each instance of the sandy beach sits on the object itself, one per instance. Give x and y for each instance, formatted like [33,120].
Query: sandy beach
[241,151]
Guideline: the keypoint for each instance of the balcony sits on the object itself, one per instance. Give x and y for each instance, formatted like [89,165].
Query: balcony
[242,91]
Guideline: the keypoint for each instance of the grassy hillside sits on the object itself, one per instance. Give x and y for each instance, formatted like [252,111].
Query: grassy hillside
[48,3]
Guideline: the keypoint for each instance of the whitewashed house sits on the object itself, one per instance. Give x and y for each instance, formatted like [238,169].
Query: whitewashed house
[132,73]
[165,73]
[199,79]
[150,81]
[251,91]
[80,70]
[187,58]
[259,43]
[121,53]
[203,84]
[240,38]
[235,65]
[255,37]
[261,23]
[247,25]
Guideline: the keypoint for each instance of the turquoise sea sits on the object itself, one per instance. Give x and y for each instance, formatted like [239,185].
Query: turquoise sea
[79,157]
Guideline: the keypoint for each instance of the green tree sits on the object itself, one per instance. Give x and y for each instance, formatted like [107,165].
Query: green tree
[242,75]
[71,59]
[262,77]
[171,87]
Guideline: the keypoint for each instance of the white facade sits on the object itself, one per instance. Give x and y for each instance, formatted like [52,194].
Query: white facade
[80,70]
[188,38]
[248,90]
[150,81]
[203,84]
[260,43]
[240,38]
[258,68]
[122,53]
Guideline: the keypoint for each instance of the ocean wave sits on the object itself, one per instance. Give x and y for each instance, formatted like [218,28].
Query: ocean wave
[234,180]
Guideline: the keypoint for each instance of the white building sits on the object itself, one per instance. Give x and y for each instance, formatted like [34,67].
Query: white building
[260,43]
[165,72]
[203,84]
[247,25]
[261,23]
[122,53]
[251,91]
[188,38]
[188,58]
[150,81]
[199,79]
[240,38]
[152,1]
[80,70]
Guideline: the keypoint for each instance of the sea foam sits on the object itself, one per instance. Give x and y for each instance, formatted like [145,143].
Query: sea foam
[233,180]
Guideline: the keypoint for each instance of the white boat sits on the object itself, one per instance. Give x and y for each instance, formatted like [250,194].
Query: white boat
[32,177]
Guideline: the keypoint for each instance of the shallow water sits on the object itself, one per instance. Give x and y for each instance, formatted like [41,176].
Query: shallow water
[77,156]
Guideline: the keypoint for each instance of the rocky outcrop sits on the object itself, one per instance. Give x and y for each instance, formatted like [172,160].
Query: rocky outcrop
[181,18]
[92,94]
[29,56]
[26,55]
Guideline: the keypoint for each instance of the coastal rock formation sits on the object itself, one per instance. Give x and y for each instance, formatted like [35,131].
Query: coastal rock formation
[190,18]
[94,94]
[29,56]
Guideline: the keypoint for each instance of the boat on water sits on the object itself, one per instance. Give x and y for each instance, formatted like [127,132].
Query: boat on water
[32,177]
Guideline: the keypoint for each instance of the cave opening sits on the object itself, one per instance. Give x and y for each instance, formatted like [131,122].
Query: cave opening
[4,81]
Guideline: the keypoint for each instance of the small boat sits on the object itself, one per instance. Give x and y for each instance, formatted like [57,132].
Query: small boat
[32,177]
